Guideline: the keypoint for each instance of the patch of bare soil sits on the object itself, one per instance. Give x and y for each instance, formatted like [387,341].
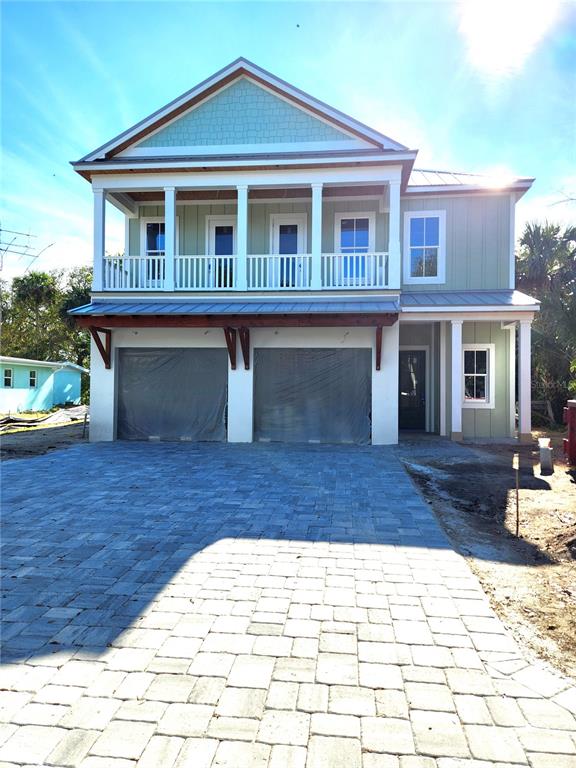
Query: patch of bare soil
[530,578]
[33,442]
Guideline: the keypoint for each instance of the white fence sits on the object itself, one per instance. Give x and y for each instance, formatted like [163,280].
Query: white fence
[204,273]
[355,270]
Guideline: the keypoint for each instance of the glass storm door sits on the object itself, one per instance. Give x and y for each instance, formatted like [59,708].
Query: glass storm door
[412,390]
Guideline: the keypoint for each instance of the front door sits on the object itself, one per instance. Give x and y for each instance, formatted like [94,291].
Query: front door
[288,244]
[412,390]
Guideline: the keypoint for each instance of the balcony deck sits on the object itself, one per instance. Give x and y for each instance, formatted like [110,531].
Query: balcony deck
[277,272]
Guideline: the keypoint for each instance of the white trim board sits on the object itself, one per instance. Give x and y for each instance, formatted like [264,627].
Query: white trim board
[245,68]
[440,278]
[490,402]
[370,215]
[300,219]
[218,220]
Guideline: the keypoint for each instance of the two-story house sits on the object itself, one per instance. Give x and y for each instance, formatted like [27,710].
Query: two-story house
[289,276]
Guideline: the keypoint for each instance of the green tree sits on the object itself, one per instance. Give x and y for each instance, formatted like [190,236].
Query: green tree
[35,323]
[546,269]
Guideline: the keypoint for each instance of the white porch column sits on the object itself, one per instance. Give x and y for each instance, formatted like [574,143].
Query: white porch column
[456,379]
[102,396]
[394,257]
[443,372]
[240,401]
[99,239]
[316,281]
[169,237]
[385,387]
[242,237]
[524,383]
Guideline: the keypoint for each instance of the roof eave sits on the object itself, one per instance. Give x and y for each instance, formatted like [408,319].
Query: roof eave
[238,68]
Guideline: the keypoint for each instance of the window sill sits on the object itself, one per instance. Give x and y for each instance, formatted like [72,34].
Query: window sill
[478,405]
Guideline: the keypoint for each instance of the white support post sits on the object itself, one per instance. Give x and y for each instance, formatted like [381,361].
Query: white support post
[394,257]
[316,280]
[443,364]
[385,387]
[512,379]
[99,239]
[524,383]
[456,379]
[169,237]
[241,401]
[242,238]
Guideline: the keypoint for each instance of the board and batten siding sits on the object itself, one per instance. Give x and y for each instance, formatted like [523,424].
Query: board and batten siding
[192,223]
[477,240]
[485,422]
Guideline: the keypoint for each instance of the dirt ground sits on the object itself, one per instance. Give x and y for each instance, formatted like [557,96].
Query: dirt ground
[23,443]
[530,579]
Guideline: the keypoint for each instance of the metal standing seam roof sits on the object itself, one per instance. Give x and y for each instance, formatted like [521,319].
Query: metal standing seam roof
[235,307]
[421,177]
[461,299]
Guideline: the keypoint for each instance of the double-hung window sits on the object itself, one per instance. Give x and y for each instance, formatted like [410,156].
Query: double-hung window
[478,372]
[424,247]
[33,379]
[8,377]
[354,236]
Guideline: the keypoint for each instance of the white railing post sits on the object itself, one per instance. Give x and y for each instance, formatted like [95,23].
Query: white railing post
[316,278]
[242,237]
[394,257]
[99,239]
[524,383]
[456,390]
[169,237]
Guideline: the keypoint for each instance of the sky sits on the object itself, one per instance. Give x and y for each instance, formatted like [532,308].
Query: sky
[485,86]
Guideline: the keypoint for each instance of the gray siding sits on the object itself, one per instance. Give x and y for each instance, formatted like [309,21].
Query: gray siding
[477,240]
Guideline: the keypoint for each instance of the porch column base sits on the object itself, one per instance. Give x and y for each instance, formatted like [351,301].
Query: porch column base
[525,438]
[456,437]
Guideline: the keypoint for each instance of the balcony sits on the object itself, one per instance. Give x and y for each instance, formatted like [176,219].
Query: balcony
[261,272]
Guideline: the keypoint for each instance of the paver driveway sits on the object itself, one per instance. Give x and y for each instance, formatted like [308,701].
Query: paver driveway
[243,606]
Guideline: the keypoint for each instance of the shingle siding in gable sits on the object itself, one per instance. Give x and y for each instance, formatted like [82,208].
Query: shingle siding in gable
[243,113]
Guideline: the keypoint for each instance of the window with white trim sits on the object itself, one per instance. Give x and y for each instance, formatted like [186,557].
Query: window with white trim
[478,373]
[8,377]
[33,379]
[424,246]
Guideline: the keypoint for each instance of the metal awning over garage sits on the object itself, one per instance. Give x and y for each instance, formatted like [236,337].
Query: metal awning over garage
[243,308]
[234,317]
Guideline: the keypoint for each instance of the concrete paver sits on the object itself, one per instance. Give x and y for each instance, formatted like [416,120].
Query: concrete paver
[253,607]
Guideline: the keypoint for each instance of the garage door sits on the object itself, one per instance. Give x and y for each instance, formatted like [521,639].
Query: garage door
[312,395]
[172,394]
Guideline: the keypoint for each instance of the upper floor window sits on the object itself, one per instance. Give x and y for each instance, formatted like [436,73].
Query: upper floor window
[424,246]
[354,233]
[8,377]
[33,379]
[478,372]
[155,238]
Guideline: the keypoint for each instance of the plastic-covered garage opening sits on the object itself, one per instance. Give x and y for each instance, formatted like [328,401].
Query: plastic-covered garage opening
[312,395]
[172,394]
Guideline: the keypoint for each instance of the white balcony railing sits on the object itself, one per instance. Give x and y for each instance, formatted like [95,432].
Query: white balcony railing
[355,270]
[204,273]
[135,273]
[276,272]
[279,272]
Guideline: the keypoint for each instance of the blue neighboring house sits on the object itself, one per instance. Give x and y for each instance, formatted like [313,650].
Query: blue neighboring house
[38,385]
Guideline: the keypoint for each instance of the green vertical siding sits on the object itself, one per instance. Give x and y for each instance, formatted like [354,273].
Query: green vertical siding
[192,223]
[477,240]
[490,422]
[477,423]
